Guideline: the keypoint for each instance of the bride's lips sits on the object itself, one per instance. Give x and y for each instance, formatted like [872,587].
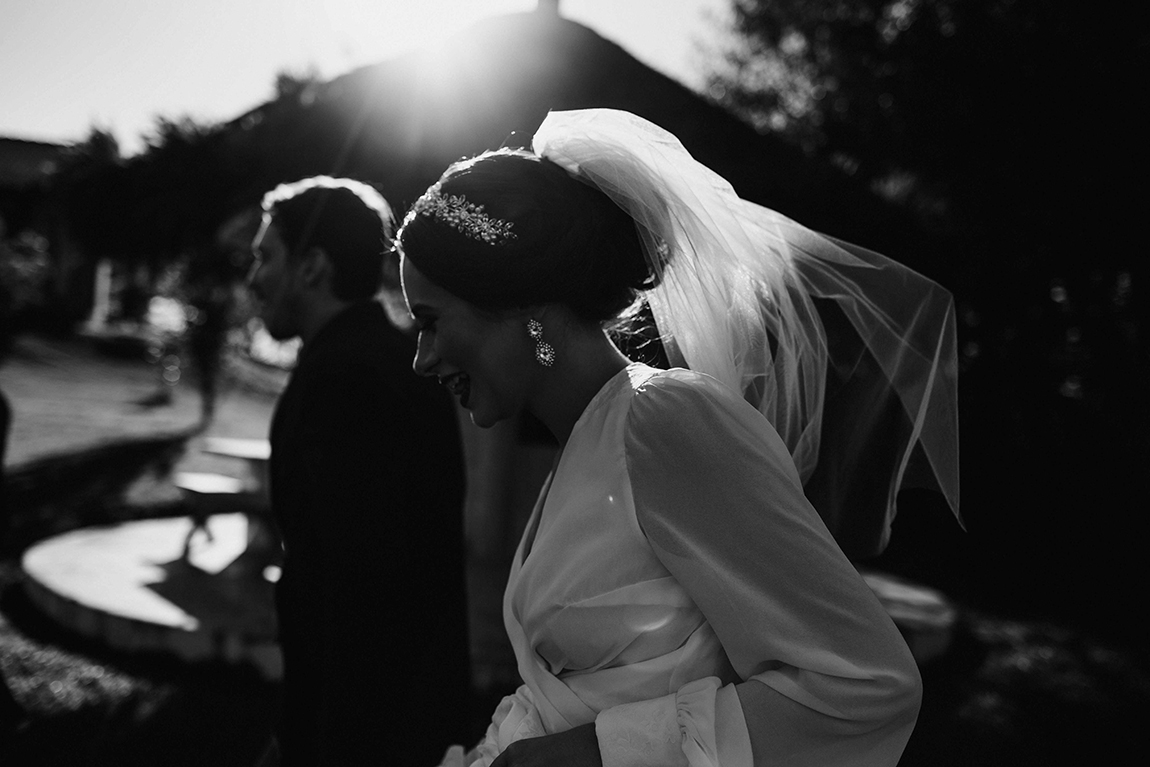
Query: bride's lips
[458,384]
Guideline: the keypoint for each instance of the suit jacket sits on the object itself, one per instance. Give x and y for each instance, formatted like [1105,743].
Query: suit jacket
[367,489]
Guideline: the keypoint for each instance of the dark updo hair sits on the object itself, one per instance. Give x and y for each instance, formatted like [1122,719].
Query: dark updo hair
[572,244]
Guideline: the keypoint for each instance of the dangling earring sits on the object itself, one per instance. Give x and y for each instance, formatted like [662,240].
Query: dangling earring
[544,352]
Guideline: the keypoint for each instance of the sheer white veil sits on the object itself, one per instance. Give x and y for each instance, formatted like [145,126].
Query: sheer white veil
[850,355]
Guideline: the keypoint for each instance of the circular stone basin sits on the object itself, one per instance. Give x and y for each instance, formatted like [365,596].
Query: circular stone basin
[130,586]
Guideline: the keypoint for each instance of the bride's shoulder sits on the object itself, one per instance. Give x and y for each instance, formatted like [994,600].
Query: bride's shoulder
[653,381]
[656,393]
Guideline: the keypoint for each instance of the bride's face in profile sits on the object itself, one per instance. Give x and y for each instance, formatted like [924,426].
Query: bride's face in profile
[484,360]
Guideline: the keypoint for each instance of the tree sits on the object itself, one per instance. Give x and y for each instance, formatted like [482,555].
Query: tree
[161,211]
[987,116]
[91,195]
[187,182]
[1010,127]
[300,85]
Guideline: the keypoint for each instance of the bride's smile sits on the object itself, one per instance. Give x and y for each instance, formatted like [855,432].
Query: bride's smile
[484,360]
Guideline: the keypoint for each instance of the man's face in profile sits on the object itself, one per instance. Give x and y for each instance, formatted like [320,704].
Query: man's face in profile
[275,282]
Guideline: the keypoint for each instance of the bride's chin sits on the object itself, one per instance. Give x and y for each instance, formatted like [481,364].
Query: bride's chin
[482,423]
[482,417]
[478,417]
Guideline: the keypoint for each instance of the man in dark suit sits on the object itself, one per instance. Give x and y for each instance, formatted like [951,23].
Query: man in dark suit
[366,487]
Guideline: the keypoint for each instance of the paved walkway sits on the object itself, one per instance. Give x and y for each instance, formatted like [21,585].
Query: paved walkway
[65,397]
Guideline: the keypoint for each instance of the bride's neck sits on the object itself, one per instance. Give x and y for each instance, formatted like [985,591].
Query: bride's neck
[583,365]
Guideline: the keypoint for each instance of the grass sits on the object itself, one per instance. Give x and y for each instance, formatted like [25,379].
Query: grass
[84,705]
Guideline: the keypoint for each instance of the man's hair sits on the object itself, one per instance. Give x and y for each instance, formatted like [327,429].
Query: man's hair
[349,220]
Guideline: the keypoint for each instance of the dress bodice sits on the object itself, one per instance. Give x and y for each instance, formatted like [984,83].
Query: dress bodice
[594,604]
[675,587]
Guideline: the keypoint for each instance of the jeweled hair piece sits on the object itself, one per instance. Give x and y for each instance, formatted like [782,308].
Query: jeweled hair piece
[455,211]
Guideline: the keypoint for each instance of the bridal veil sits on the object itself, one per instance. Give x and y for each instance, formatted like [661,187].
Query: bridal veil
[850,355]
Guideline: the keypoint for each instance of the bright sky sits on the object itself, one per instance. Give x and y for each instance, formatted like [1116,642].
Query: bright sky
[66,65]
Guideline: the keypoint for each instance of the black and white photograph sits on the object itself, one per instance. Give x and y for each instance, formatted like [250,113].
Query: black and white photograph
[573,383]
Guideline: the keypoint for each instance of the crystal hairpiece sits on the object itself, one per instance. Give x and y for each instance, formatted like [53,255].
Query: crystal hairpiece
[463,216]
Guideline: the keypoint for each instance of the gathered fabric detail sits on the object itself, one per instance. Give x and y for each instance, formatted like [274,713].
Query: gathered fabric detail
[676,730]
[641,734]
[515,718]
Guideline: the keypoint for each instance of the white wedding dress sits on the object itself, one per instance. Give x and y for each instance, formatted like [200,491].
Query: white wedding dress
[675,587]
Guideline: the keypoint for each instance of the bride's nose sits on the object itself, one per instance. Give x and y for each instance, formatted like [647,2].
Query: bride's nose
[425,357]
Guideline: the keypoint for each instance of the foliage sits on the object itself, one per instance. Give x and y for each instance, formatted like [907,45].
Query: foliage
[157,208]
[297,85]
[1008,127]
[989,119]
[24,268]
[160,214]
[91,194]
[977,111]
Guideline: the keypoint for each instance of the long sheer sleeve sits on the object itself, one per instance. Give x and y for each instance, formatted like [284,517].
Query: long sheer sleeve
[824,678]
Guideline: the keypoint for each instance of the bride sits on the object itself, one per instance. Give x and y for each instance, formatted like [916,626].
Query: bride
[676,599]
